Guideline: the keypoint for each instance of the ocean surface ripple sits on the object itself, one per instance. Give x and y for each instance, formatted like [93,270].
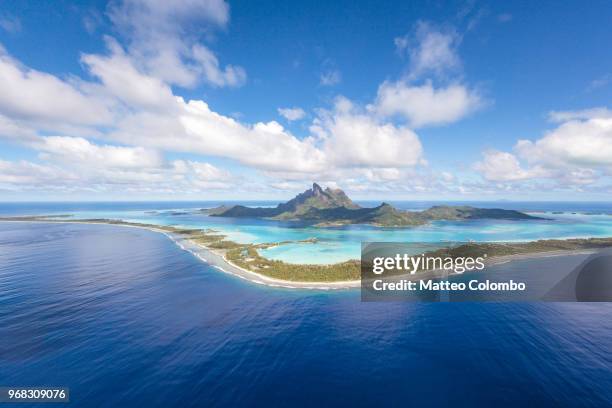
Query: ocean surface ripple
[124,317]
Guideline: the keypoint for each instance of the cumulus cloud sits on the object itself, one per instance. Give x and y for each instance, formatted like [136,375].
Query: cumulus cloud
[586,142]
[345,137]
[577,152]
[131,111]
[353,139]
[431,50]
[432,91]
[424,105]
[152,116]
[12,130]
[292,114]
[79,150]
[122,79]
[214,74]
[36,96]
[196,128]
[69,171]
[502,166]
[164,38]
[23,174]
[198,175]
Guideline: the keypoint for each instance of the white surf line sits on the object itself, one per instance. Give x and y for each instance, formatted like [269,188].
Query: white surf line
[266,281]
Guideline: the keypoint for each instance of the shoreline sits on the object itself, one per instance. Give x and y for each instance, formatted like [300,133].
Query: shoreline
[218,260]
[215,259]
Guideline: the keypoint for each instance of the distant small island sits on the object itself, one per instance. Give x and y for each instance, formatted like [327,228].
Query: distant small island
[330,207]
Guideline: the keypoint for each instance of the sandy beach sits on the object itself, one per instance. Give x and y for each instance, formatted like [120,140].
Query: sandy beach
[217,259]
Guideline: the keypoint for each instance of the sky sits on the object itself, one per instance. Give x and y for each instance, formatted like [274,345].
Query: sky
[210,99]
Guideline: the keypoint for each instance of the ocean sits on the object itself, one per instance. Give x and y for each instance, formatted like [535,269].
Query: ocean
[124,317]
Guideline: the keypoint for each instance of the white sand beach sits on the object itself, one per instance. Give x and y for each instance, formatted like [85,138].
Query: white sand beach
[217,259]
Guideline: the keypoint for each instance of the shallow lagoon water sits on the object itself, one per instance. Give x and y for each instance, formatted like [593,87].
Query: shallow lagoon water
[564,220]
[123,317]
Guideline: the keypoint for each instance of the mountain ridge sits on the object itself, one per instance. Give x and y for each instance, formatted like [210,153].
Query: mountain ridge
[327,207]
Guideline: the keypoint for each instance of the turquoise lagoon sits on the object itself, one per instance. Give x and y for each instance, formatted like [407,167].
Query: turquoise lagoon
[563,220]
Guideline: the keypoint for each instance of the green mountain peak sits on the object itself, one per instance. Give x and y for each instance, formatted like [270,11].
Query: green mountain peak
[333,207]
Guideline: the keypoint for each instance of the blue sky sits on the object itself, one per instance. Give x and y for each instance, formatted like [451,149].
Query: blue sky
[135,99]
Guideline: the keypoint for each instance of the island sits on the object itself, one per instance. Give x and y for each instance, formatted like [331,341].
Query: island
[332,207]
[245,261]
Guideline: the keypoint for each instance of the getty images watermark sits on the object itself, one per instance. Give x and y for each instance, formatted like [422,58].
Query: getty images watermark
[460,271]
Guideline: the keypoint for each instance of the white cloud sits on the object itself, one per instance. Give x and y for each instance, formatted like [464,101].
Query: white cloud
[228,76]
[331,77]
[164,38]
[148,118]
[586,142]
[152,117]
[501,166]
[593,113]
[143,16]
[292,114]
[203,171]
[76,150]
[431,50]
[25,175]
[39,97]
[341,138]
[447,176]
[138,117]
[200,175]
[424,105]
[12,130]
[578,152]
[195,128]
[70,172]
[382,175]
[353,139]
[122,79]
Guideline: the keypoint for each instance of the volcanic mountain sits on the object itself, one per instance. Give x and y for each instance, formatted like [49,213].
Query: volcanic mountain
[325,207]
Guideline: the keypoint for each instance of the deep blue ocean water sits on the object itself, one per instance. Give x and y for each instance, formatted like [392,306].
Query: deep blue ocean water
[124,317]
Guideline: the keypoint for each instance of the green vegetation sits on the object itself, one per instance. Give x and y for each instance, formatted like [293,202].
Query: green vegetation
[331,207]
[242,255]
[447,212]
[247,256]
[384,215]
[297,208]
[495,249]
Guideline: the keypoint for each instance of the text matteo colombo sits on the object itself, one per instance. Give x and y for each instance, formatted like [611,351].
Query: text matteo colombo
[432,285]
